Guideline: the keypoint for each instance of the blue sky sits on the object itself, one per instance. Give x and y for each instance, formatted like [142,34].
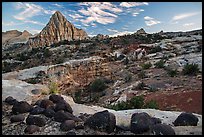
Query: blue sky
[108,18]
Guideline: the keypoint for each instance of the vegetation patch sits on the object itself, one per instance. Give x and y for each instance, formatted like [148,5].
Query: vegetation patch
[190,69]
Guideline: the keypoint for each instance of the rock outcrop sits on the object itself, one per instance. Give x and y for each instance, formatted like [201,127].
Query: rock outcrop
[141,32]
[14,36]
[57,29]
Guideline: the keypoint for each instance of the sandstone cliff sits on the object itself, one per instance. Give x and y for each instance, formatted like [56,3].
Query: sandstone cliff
[57,29]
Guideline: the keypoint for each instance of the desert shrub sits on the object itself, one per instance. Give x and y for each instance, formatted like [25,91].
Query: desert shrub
[160,64]
[152,89]
[47,53]
[136,102]
[142,74]
[172,72]
[151,104]
[140,86]
[128,77]
[77,96]
[98,85]
[53,87]
[155,49]
[190,69]
[146,65]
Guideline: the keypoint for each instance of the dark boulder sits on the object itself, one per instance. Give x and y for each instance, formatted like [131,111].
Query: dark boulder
[45,103]
[49,112]
[56,98]
[37,110]
[140,122]
[35,120]
[38,102]
[21,107]
[62,116]
[63,105]
[10,100]
[17,118]
[103,121]
[162,129]
[186,119]
[155,120]
[67,125]
[30,129]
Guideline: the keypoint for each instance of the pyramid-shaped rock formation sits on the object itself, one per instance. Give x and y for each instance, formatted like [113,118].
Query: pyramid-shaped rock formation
[57,29]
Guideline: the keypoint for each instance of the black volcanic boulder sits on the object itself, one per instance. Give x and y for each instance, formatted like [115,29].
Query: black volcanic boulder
[56,98]
[162,129]
[67,125]
[103,121]
[45,103]
[37,110]
[30,129]
[17,118]
[62,116]
[63,105]
[140,122]
[49,112]
[10,100]
[186,119]
[38,102]
[155,120]
[35,120]
[21,107]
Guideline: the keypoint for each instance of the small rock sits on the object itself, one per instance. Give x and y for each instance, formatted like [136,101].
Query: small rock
[17,118]
[37,110]
[36,91]
[62,116]
[21,107]
[56,98]
[63,105]
[162,129]
[34,120]
[30,129]
[104,121]
[46,103]
[67,125]
[140,122]
[186,119]
[49,113]
[10,100]
[71,133]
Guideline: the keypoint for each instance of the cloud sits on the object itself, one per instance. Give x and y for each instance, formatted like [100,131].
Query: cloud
[184,15]
[34,22]
[57,5]
[8,23]
[151,21]
[113,30]
[132,4]
[121,33]
[30,10]
[34,31]
[101,12]
[188,24]
[75,16]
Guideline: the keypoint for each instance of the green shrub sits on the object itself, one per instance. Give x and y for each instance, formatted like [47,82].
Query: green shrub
[151,104]
[155,49]
[137,102]
[160,64]
[128,77]
[152,89]
[142,74]
[172,72]
[190,69]
[146,66]
[98,85]
[53,87]
[141,86]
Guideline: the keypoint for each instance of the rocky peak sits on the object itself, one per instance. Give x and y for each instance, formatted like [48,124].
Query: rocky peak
[57,29]
[141,31]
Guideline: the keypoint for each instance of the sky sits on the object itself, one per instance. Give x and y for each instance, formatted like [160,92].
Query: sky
[107,18]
